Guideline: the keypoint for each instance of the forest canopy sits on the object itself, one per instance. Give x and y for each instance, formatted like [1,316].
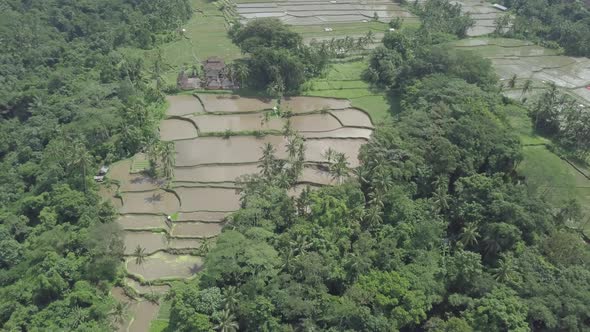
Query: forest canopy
[70,100]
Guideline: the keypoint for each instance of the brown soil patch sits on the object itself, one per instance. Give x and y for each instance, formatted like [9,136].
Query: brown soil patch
[316,149]
[179,243]
[144,313]
[314,122]
[314,175]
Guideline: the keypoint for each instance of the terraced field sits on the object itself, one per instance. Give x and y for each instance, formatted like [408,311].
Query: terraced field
[204,190]
[530,61]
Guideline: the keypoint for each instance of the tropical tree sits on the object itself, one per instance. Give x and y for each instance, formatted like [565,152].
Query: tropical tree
[226,322]
[267,160]
[512,81]
[469,235]
[339,168]
[505,270]
[168,157]
[140,258]
[82,161]
[231,296]
[527,86]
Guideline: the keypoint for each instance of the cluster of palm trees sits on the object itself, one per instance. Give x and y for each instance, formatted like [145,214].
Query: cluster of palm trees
[284,172]
[337,164]
[162,154]
[341,47]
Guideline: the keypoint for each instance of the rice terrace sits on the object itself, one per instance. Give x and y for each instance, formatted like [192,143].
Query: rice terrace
[295,165]
[220,137]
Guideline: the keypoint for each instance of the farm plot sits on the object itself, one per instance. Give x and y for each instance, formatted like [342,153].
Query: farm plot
[482,13]
[532,62]
[314,12]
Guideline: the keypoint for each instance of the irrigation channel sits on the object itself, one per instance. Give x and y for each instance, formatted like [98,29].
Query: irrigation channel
[203,191]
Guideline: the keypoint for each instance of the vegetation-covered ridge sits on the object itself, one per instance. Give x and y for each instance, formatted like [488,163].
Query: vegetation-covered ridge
[70,101]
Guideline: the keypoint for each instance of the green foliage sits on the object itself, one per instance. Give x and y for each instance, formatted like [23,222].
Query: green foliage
[70,102]
[563,24]
[443,16]
[279,62]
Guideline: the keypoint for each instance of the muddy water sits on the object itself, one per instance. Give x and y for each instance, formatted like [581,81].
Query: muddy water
[149,241]
[204,216]
[218,173]
[234,122]
[310,104]
[353,117]
[131,182]
[139,221]
[316,149]
[146,311]
[234,103]
[314,122]
[346,132]
[180,243]
[145,289]
[198,229]
[314,175]
[217,150]
[154,202]
[163,265]
[183,105]
[208,199]
[174,129]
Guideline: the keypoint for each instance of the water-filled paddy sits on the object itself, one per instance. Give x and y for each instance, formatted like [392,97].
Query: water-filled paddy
[153,202]
[208,199]
[353,117]
[233,103]
[212,174]
[163,265]
[141,221]
[147,240]
[174,129]
[183,105]
[197,229]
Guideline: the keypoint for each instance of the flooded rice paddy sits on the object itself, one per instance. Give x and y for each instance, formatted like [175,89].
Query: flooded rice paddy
[528,61]
[203,191]
[314,12]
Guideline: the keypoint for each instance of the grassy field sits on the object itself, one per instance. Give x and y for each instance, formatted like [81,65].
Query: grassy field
[160,324]
[205,36]
[343,80]
[547,174]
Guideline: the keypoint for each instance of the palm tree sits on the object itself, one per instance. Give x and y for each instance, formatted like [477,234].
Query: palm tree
[469,235]
[512,81]
[505,270]
[267,161]
[82,160]
[441,198]
[339,169]
[118,313]
[168,157]
[140,258]
[240,72]
[226,322]
[526,87]
[329,154]
[231,297]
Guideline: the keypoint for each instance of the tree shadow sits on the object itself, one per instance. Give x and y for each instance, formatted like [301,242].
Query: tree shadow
[154,198]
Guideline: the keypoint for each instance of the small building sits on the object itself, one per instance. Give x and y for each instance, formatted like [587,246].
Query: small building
[217,75]
[187,81]
[500,7]
[103,170]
